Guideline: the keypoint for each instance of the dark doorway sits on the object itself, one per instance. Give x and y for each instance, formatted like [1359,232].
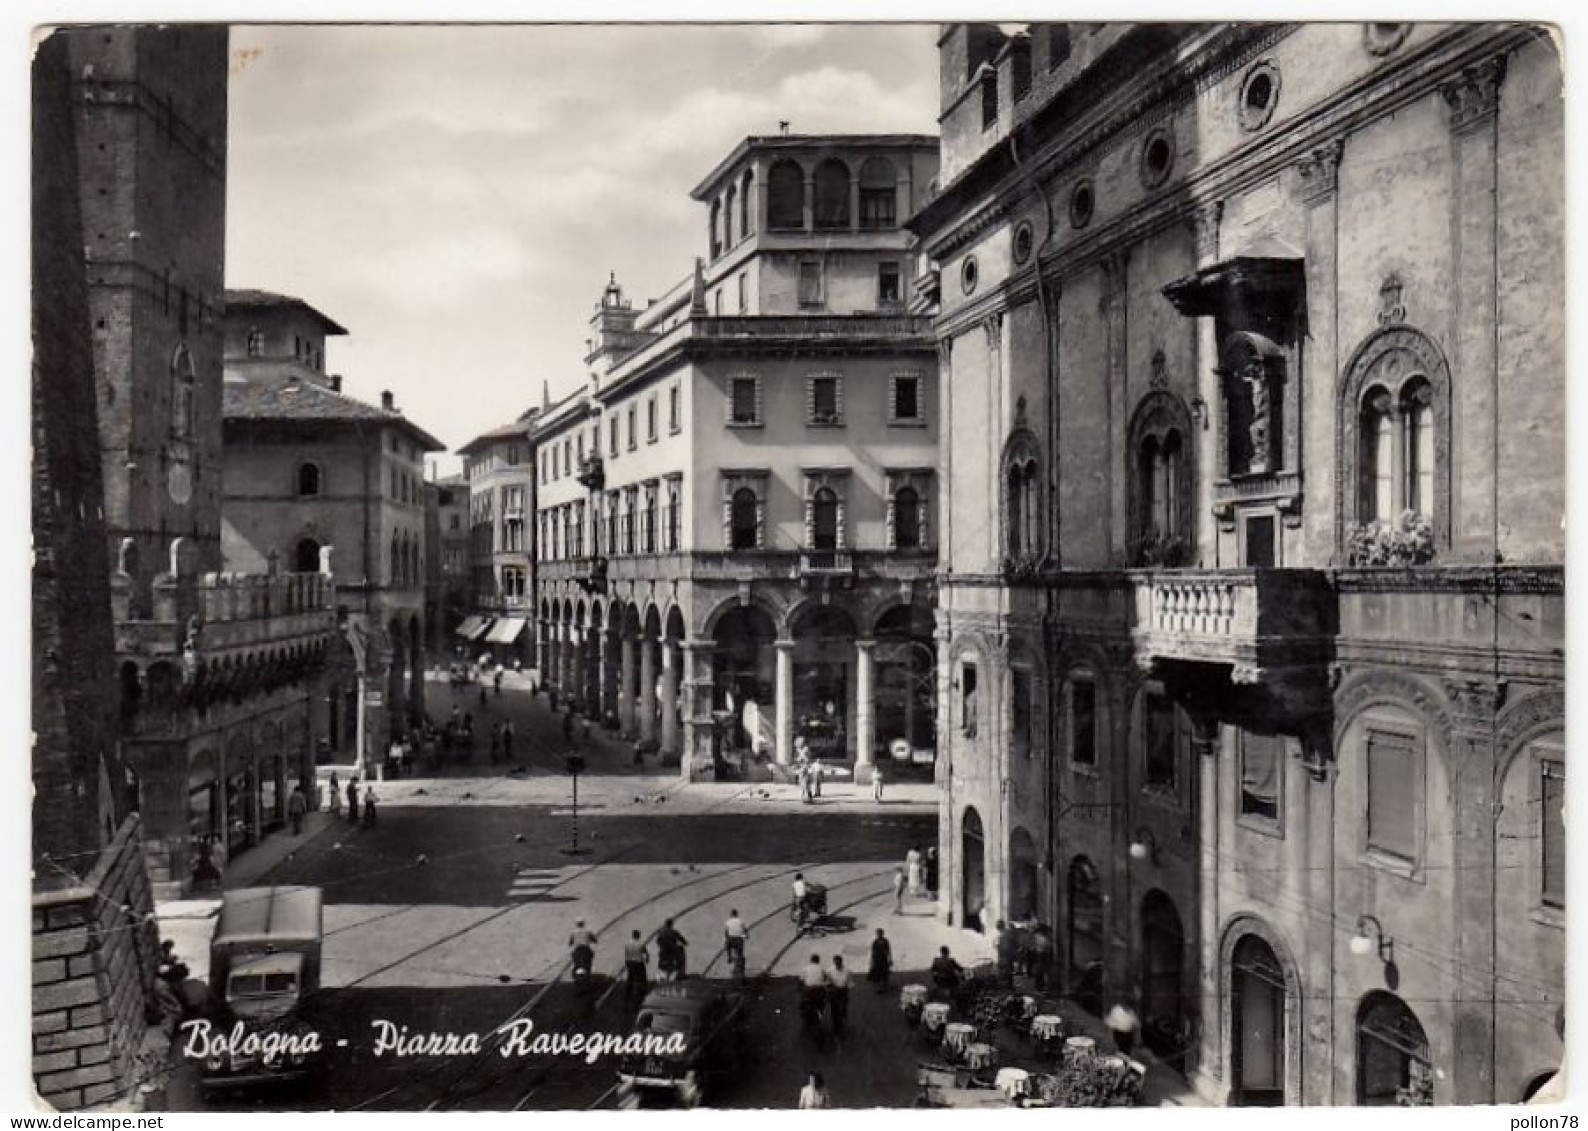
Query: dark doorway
[1257,1007]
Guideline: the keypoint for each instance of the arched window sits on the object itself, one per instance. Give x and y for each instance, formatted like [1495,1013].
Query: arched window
[1014,487]
[1259,1024]
[1085,934]
[743,525]
[1393,446]
[831,185]
[785,198]
[907,519]
[728,213]
[308,479]
[396,561]
[1160,487]
[1022,504]
[716,229]
[878,194]
[306,557]
[746,227]
[182,408]
[1378,457]
[1392,1067]
[824,519]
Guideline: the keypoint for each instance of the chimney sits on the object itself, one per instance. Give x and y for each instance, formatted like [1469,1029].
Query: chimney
[336,382]
[386,401]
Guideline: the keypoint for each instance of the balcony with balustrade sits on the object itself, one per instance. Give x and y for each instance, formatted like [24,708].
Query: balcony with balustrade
[1259,622]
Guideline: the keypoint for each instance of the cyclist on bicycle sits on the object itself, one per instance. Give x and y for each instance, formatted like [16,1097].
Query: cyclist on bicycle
[801,899]
[734,936]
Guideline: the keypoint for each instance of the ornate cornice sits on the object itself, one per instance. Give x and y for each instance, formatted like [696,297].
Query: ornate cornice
[1474,94]
[1318,170]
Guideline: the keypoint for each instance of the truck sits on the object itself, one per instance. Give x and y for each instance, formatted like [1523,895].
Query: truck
[264,963]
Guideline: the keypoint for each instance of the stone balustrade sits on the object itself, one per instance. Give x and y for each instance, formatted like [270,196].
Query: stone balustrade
[1255,620]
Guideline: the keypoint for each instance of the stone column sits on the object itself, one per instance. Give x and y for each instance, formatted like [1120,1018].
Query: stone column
[1206,1061]
[865,709]
[784,705]
[695,658]
[809,203]
[1204,222]
[669,699]
[647,697]
[626,688]
[1474,99]
[1318,176]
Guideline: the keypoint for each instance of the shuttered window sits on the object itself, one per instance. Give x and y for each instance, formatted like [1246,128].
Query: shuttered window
[1260,775]
[1392,775]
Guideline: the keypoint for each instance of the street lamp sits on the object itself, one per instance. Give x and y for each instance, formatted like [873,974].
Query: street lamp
[575,767]
[1362,946]
[1144,846]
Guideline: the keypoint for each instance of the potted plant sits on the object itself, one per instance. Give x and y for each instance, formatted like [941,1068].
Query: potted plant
[1407,541]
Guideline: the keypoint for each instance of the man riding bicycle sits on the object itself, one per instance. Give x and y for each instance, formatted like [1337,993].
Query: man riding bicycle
[734,936]
[582,947]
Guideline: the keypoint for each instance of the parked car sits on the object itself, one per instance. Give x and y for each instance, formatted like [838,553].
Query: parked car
[711,1021]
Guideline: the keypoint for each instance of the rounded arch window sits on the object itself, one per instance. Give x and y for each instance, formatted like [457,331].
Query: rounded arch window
[728,214]
[1157,158]
[1082,202]
[309,479]
[1393,1068]
[824,519]
[785,195]
[1259,96]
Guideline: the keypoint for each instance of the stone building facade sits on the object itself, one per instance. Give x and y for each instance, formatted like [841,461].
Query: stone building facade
[500,472]
[446,571]
[734,535]
[1252,591]
[314,475]
[217,670]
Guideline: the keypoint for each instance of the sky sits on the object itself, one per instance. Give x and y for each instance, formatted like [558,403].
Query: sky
[456,196]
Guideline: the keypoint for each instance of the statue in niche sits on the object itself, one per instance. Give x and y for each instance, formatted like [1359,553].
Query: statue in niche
[1262,414]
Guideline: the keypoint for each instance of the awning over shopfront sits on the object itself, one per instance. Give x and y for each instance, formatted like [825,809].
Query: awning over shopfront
[506,630]
[470,628]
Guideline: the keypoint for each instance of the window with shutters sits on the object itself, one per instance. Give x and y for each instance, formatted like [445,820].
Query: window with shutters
[904,399]
[1020,711]
[810,283]
[907,490]
[1083,721]
[650,419]
[744,508]
[634,431]
[744,402]
[744,292]
[1158,740]
[907,519]
[824,399]
[1394,787]
[889,289]
[1262,778]
[878,194]
[1552,832]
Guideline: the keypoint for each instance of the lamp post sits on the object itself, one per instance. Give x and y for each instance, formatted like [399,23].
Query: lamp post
[575,766]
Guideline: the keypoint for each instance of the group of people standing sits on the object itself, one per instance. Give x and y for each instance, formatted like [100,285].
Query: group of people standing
[917,877]
[361,802]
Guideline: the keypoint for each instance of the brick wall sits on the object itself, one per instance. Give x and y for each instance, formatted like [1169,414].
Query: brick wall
[94,951]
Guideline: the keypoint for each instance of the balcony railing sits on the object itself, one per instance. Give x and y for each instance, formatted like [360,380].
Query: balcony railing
[826,563]
[1252,619]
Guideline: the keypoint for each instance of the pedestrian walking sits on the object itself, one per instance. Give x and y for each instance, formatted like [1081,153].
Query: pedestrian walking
[814,1094]
[507,740]
[369,805]
[899,884]
[297,806]
[912,867]
[671,957]
[946,974]
[1004,941]
[931,871]
[881,962]
[483,696]
[813,993]
[496,681]
[876,785]
[838,994]
[335,795]
[399,754]
[636,971]
[352,800]
[1122,1023]
[816,778]
[1041,956]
